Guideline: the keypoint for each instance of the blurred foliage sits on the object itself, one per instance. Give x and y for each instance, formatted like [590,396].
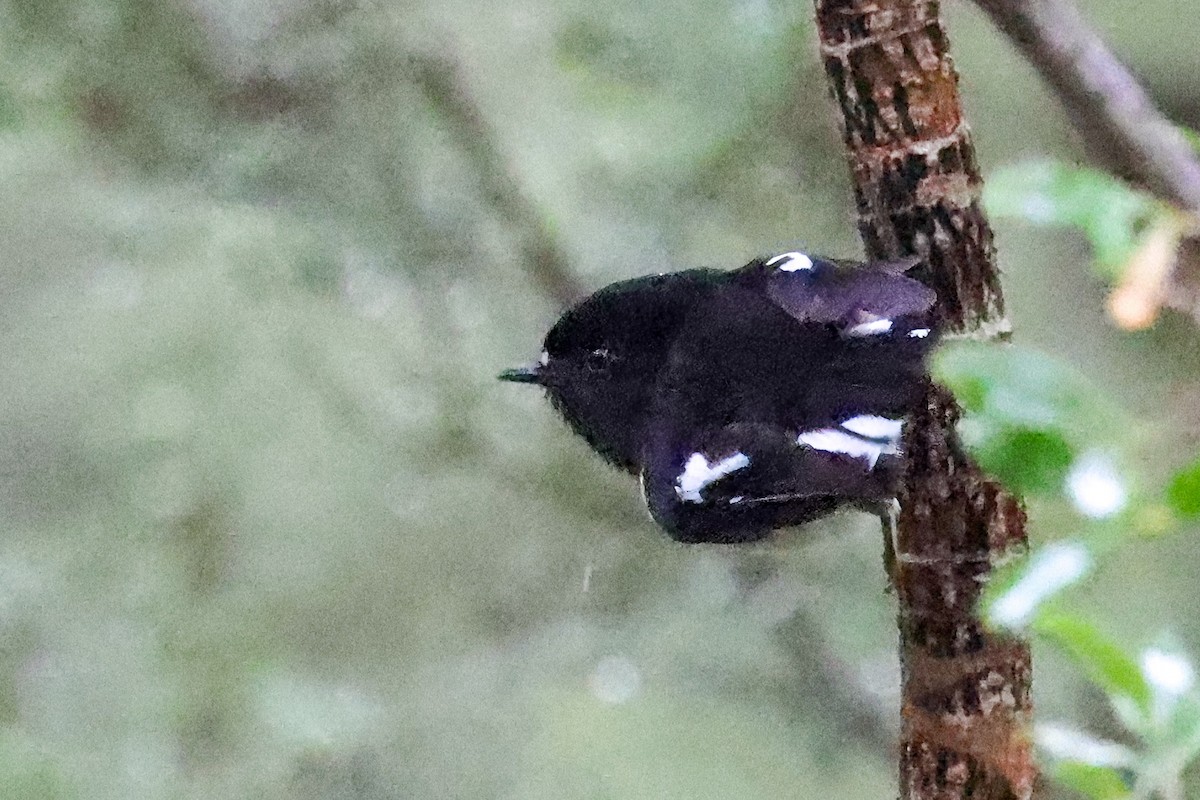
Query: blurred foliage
[1183,493]
[270,527]
[1048,433]
[1109,213]
[1029,416]
[1135,239]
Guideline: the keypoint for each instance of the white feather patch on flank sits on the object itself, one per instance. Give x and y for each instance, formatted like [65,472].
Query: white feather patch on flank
[835,440]
[698,473]
[791,262]
[918,333]
[870,426]
[872,328]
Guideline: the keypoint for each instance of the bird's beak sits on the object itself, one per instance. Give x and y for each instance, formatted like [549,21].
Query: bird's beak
[527,374]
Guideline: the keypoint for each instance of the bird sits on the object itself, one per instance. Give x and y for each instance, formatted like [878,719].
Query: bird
[746,400]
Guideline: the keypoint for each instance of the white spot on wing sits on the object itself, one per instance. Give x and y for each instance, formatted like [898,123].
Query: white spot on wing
[791,262]
[835,440]
[873,427]
[872,328]
[918,333]
[699,472]
[544,359]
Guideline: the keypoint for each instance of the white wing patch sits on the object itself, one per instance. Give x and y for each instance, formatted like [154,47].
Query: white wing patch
[870,426]
[866,436]
[918,333]
[873,328]
[791,262]
[698,473]
[833,440]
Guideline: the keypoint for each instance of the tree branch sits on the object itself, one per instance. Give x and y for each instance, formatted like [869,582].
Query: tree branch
[441,81]
[965,690]
[855,712]
[1117,120]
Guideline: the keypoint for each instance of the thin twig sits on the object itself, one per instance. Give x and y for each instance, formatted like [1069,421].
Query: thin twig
[441,80]
[1117,120]
[856,711]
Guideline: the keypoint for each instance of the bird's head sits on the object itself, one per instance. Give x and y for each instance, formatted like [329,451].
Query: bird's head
[601,360]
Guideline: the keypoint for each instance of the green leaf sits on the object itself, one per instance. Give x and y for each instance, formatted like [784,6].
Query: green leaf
[1019,387]
[1027,461]
[1106,664]
[1111,214]
[1192,136]
[1098,783]
[1032,419]
[1183,492]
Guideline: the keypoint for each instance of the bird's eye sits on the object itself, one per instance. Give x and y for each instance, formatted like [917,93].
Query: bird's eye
[599,360]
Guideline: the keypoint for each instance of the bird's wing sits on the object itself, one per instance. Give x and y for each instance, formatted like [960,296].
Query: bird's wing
[868,300]
[740,481]
[764,422]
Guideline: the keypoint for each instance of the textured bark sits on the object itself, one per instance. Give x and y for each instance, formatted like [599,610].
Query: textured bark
[965,690]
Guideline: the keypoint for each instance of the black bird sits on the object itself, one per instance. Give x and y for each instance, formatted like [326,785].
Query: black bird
[746,400]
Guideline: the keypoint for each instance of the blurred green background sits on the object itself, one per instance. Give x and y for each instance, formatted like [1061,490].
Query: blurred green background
[270,528]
